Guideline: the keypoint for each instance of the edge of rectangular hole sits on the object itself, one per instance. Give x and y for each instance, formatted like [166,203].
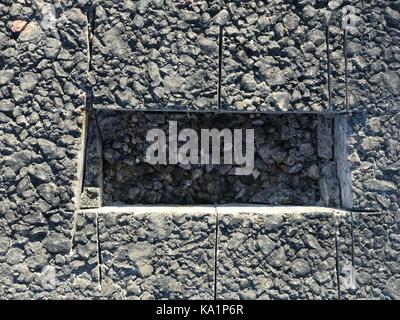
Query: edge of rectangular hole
[332,116]
[211,209]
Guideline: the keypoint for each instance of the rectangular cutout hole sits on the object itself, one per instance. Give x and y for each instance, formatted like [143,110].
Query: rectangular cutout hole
[295,160]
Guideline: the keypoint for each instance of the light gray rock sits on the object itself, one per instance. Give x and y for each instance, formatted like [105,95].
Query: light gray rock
[300,267]
[222,17]
[393,287]
[14,256]
[6,76]
[380,185]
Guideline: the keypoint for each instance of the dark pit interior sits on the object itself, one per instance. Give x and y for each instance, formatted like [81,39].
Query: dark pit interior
[294,161]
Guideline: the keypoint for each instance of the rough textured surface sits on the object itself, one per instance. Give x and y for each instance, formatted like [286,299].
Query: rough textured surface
[158,255]
[276,256]
[48,250]
[373,271]
[374,155]
[274,56]
[293,161]
[85,254]
[336,58]
[42,82]
[156,55]
[374,79]
[374,57]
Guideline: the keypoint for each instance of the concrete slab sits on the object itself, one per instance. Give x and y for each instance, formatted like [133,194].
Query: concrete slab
[148,255]
[156,55]
[274,57]
[373,144]
[289,254]
[371,269]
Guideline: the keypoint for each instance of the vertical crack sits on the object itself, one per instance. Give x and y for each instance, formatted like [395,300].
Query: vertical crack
[86,116]
[99,260]
[90,13]
[352,239]
[328,57]
[92,138]
[216,254]
[221,39]
[346,68]
[339,295]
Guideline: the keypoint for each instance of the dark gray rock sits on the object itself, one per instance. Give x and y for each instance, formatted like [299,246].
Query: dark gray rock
[392,18]
[57,243]
[47,147]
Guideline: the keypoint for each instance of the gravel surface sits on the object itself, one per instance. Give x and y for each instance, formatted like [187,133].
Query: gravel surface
[290,164]
[163,54]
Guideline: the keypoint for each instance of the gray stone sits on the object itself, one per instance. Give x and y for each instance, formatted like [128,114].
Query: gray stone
[6,76]
[4,245]
[52,48]
[209,46]
[300,267]
[138,21]
[393,287]
[248,82]
[32,32]
[392,18]
[265,244]
[311,241]
[222,17]
[154,73]
[116,45]
[189,16]
[140,251]
[39,173]
[281,100]
[48,191]
[380,185]
[291,21]
[277,258]
[29,81]
[14,256]
[46,147]
[173,83]
[7,106]
[57,243]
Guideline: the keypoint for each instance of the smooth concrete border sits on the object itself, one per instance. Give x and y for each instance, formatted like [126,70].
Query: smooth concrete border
[220,209]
